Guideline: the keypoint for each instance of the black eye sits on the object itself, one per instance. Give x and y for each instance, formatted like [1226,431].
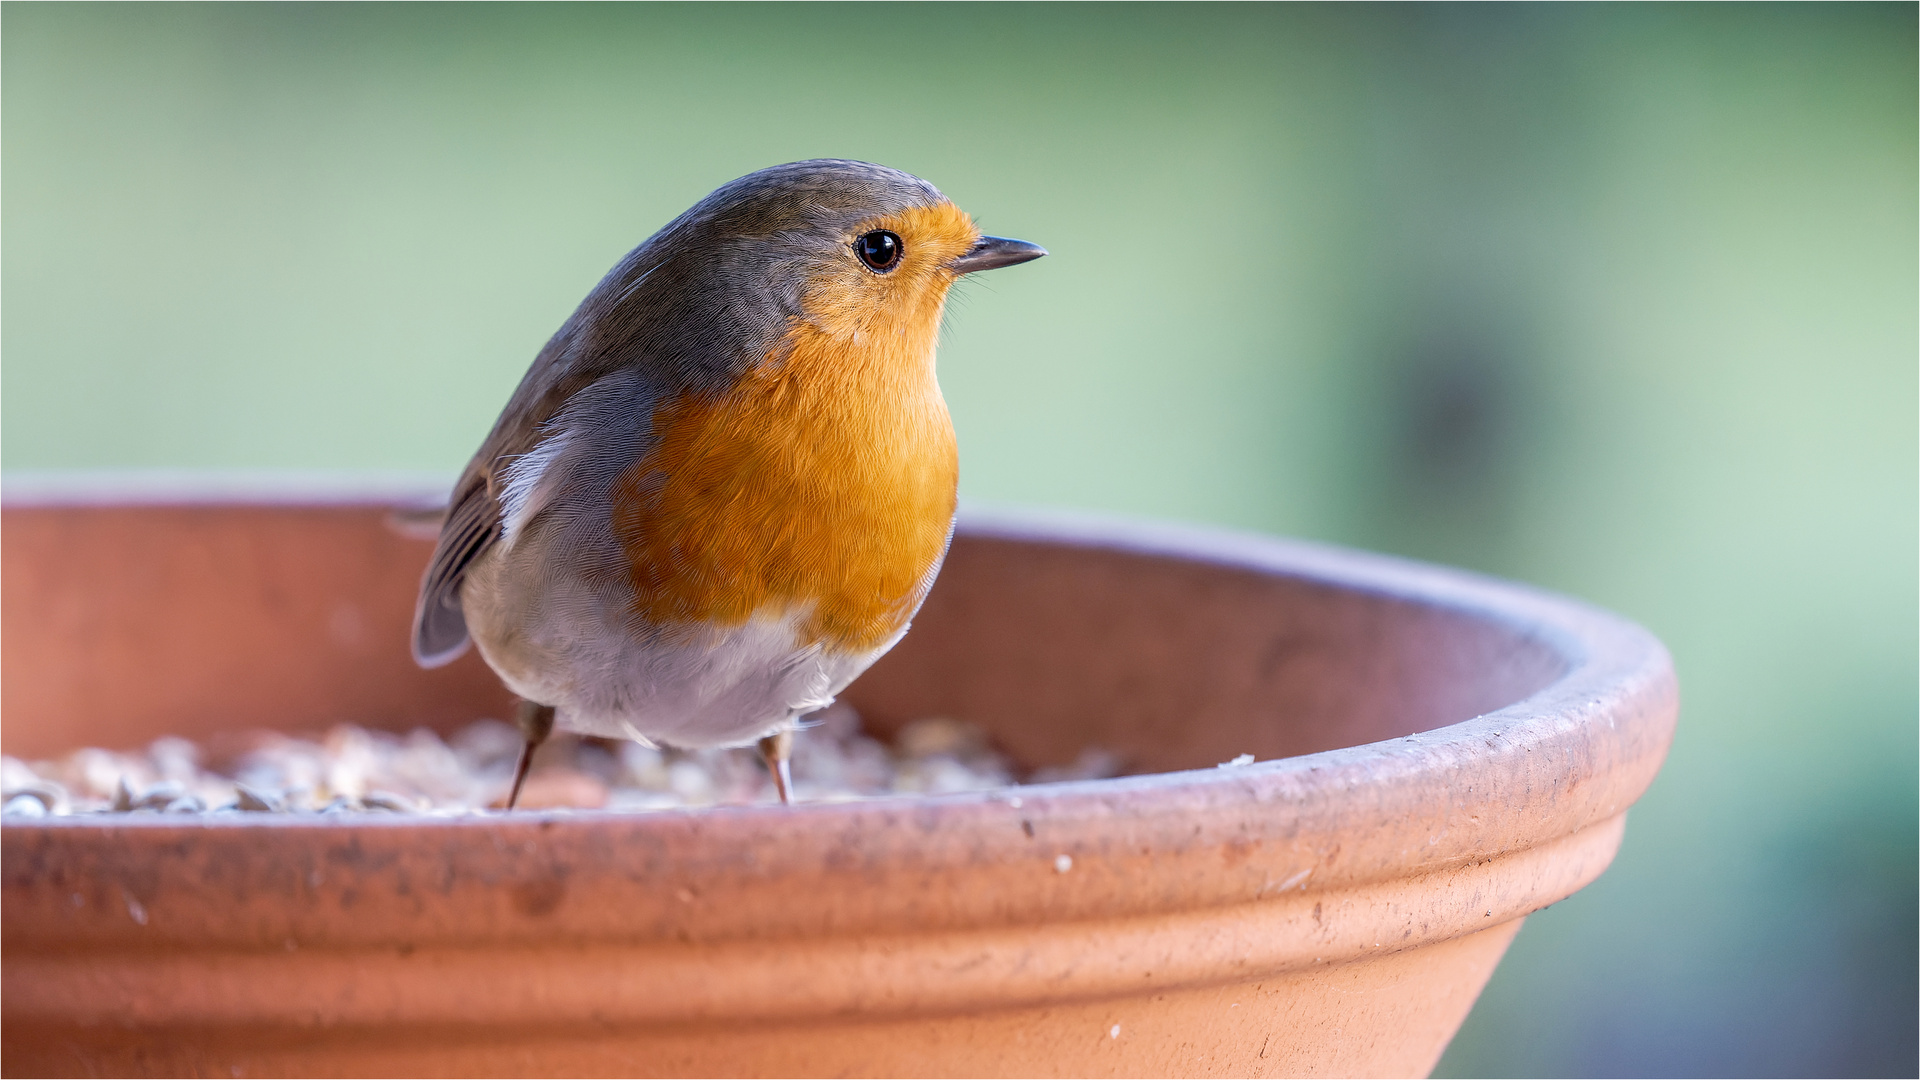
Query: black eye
[879,249]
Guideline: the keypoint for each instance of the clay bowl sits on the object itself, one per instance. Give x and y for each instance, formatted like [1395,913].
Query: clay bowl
[1439,755]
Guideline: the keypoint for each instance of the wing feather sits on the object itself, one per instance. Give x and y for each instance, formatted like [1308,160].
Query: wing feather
[473,526]
[624,323]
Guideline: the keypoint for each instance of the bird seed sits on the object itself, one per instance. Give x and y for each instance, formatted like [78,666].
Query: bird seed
[356,770]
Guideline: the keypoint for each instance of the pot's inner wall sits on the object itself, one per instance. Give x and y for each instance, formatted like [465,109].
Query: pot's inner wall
[1178,665]
[123,624]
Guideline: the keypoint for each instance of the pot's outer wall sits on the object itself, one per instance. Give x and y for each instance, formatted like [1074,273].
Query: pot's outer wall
[1470,750]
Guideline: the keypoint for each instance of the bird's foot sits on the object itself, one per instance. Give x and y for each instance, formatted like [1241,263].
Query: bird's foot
[775,750]
[535,723]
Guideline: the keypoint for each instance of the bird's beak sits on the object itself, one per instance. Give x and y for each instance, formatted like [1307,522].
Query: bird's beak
[991,251]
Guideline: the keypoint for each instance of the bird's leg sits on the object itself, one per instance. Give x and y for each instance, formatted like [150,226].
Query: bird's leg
[775,749]
[536,723]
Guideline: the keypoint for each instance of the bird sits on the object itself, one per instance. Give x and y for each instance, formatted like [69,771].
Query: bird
[726,483]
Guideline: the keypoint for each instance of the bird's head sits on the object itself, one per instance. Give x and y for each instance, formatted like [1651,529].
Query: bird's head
[857,252]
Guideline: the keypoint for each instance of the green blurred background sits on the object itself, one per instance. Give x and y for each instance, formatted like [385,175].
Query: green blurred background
[1617,300]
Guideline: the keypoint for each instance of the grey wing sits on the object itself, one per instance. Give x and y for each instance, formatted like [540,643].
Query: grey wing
[473,526]
[577,356]
[473,522]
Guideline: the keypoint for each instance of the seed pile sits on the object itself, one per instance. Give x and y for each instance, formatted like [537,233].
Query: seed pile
[355,770]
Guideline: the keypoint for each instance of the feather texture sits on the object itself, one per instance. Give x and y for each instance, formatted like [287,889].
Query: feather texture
[726,483]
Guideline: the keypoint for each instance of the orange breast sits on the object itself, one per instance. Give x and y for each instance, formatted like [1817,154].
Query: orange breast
[824,482]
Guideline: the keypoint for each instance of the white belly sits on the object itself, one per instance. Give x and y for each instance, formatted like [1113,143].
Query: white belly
[550,609]
[556,639]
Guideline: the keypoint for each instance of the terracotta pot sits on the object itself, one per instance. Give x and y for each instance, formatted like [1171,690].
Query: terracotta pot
[1440,754]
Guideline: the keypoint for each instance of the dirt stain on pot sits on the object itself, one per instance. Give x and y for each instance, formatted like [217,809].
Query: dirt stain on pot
[537,898]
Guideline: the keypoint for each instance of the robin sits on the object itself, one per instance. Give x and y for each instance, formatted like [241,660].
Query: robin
[725,485]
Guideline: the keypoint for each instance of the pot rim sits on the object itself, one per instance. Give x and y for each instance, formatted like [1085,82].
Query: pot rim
[1562,763]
